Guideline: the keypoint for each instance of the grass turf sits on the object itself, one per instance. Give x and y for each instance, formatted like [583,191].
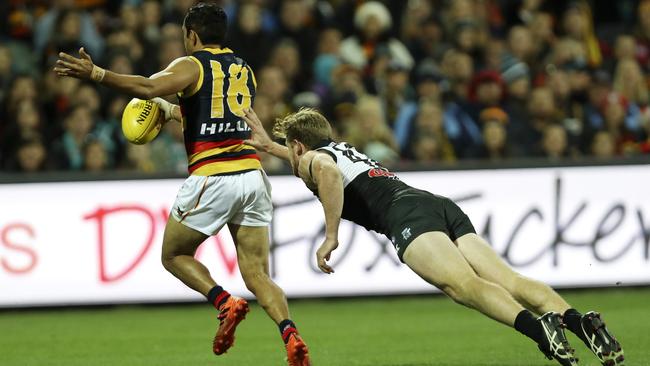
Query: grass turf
[405,331]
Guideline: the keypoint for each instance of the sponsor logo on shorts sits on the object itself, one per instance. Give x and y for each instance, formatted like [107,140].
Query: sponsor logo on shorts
[406,233]
[179,211]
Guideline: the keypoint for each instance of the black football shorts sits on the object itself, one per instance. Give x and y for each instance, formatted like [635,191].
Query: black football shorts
[416,212]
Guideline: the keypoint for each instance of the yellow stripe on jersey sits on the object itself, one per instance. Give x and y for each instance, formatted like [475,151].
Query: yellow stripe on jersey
[252,76]
[217,51]
[230,166]
[216,151]
[199,83]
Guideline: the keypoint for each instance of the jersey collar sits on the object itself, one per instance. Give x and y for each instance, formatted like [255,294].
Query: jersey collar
[217,51]
[323,143]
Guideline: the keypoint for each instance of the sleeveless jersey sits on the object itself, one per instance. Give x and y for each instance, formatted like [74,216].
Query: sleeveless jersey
[369,189]
[212,124]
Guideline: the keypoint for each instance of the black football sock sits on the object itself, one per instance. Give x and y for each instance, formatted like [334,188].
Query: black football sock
[217,296]
[287,328]
[572,319]
[527,325]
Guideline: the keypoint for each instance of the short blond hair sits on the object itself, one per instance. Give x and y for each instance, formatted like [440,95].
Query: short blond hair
[307,126]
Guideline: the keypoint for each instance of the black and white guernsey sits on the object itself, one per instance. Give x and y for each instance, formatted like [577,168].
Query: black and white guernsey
[369,188]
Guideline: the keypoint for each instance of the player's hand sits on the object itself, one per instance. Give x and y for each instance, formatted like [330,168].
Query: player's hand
[166,107]
[260,140]
[323,254]
[80,68]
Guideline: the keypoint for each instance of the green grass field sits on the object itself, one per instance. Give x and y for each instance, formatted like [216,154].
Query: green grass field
[413,331]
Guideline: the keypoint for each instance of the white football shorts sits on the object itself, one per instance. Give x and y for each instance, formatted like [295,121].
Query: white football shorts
[206,204]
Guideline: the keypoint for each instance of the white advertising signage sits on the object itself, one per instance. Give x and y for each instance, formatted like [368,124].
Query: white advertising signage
[99,242]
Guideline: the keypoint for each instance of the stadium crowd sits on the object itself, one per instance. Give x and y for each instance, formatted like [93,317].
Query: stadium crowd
[431,81]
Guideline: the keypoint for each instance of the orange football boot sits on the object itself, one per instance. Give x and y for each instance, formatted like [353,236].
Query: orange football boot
[232,312]
[297,353]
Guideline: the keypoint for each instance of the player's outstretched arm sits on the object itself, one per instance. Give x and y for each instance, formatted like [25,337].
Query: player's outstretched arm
[178,76]
[260,140]
[320,170]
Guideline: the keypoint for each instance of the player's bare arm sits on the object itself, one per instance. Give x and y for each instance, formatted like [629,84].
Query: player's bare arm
[319,170]
[180,75]
[260,140]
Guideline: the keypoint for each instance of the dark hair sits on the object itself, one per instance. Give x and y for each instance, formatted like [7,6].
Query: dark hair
[209,21]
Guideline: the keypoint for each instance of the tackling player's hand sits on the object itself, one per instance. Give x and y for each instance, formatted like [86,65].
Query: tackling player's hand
[260,140]
[323,254]
[80,68]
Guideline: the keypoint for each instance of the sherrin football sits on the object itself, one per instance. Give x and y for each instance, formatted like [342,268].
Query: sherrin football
[141,121]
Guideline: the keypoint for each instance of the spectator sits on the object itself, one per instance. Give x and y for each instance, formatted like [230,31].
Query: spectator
[95,157]
[370,132]
[629,82]
[248,38]
[297,23]
[327,60]
[428,122]
[272,83]
[603,146]
[643,34]
[578,25]
[516,76]
[30,156]
[425,40]
[554,142]
[486,90]
[78,125]
[625,48]
[373,22]
[427,149]
[151,18]
[285,56]
[541,31]
[520,43]
[495,146]
[168,150]
[619,122]
[70,26]
[26,124]
[396,92]
[421,59]
[5,70]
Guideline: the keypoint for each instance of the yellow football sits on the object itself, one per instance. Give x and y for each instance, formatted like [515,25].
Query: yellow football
[141,121]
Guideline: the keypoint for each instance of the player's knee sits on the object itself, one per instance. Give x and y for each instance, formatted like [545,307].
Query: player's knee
[533,292]
[167,260]
[463,291]
[254,279]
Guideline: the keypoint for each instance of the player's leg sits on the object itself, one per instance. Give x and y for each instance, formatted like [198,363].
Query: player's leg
[249,230]
[541,298]
[535,295]
[252,244]
[435,258]
[179,245]
[202,207]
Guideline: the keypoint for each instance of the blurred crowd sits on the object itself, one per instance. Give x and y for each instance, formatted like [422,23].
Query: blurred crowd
[427,81]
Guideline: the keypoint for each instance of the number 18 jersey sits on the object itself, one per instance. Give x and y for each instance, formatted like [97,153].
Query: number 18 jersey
[212,125]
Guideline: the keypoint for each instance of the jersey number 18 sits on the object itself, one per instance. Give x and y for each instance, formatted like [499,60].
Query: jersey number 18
[238,86]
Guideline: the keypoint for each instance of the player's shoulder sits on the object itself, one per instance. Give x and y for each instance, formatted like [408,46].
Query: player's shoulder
[223,55]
